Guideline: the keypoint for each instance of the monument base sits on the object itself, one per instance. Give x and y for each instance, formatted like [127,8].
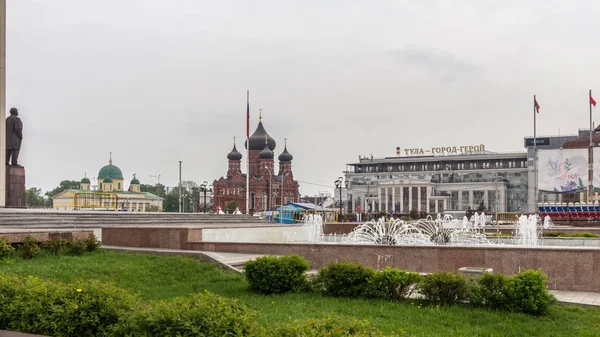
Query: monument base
[15,187]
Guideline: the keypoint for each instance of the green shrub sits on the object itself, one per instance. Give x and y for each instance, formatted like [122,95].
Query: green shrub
[277,275]
[553,234]
[55,246]
[6,249]
[328,326]
[445,287]
[526,292]
[29,247]
[490,291]
[569,235]
[77,246]
[86,308]
[195,315]
[584,235]
[92,243]
[393,284]
[346,279]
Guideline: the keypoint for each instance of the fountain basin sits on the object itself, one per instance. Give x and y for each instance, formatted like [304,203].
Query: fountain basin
[568,268]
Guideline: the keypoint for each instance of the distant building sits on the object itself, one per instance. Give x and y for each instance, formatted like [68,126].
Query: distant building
[110,194]
[453,179]
[268,188]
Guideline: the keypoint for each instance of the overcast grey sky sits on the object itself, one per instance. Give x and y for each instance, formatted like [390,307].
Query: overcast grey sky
[158,81]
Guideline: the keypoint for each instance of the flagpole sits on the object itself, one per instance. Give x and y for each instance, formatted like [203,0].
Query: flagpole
[248,152]
[591,154]
[535,159]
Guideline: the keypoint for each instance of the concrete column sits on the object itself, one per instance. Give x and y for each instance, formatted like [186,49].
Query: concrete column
[385,198]
[143,207]
[401,199]
[460,200]
[436,207]
[419,198]
[379,197]
[471,199]
[485,199]
[3,102]
[427,199]
[394,198]
[409,199]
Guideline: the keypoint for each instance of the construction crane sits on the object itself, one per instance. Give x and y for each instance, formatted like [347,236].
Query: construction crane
[157,183]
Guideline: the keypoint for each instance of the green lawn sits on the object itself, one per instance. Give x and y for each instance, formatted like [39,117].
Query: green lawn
[164,277]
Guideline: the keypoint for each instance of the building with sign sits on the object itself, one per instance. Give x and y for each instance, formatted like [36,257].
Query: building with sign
[451,182]
[454,179]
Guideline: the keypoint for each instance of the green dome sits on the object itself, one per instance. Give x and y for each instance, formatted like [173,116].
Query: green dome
[135,181]
[110,171]
[107,180]
[85,181]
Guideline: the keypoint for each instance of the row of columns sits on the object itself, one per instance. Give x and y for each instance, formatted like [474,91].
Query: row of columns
[383,196]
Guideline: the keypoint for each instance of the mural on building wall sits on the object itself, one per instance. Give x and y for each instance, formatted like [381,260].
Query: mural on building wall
[562,171]
[596,154]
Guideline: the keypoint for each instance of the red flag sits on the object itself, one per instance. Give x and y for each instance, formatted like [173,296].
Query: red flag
[536,105]
[592,101]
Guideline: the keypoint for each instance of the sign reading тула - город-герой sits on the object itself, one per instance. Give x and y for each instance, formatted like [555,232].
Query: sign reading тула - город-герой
[441,150]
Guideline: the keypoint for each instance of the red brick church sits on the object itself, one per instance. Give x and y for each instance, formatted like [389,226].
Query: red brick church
[268,188]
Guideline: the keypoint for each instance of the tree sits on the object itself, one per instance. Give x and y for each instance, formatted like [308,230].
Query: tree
[64,185]
[190,192]
[481,207]
[158,189]
[231,206]
[34,198]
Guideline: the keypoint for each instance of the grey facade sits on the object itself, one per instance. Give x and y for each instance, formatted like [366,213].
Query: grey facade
[446,183]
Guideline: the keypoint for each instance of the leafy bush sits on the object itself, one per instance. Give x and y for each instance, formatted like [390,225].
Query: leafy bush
[77,246]
[92,243]
[50,308]
[347,279]
[277,275]
[584,235]
[392,284]
[328,326]
[196,315]
[490,291]
[554,234]
[526,292]
[29,248]
[55,246]
[445,287]
[569,235]
[6,249]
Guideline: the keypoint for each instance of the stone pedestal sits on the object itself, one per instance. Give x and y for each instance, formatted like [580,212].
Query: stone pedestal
[15,187]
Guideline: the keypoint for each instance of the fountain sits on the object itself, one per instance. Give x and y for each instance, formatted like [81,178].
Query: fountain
[526,231]
[313,225]
[443,230]
[422,232]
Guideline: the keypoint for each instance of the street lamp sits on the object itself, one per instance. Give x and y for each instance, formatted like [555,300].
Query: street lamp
[204,187]
[282,181]
[338,184]
[270,186]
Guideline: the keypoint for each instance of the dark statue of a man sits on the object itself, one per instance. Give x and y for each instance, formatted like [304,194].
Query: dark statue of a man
[14,136]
